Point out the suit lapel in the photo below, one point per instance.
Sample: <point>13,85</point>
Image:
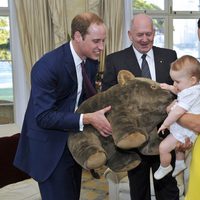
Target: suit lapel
<point>159,64</point>
<point>132,63</point>
<point>69,62</point>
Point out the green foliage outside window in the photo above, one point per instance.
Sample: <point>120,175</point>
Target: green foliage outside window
<point>143,5</point>
<point>4,39</point>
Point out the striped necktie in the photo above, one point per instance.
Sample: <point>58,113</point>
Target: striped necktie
<point>145,67</point>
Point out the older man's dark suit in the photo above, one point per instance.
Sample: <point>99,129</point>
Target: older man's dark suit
<point>166,188</point>
<point>49,117</point>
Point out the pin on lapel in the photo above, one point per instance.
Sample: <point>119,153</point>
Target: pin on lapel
<point>161,61</point>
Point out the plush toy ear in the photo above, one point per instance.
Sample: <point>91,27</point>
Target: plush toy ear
<point>124,76</point>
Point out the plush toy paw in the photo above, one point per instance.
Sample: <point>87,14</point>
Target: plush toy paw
<point>87,149</point>
<point>123,161</point>
<point>132,140</point>
<point>95,161</point>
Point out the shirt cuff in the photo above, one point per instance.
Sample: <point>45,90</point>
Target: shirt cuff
<point>81,125</point>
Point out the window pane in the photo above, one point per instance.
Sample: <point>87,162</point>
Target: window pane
<point>6,86</point>
<point>148,4</point>
<point>185,37</point>
<point>186,5</point>
<point>159,34</point>
<point>4,3</point>
<point>6,81</point>
<point>4,39</point>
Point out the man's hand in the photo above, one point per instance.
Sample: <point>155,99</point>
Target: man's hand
<point>99,121</point>
<point>183,147</point>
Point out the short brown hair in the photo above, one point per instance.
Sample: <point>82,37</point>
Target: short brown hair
<point>82,22</point>
<point>189,63</point>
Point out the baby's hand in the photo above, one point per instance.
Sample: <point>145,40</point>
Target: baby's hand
<point>164,86</point>
<point>162,128</point>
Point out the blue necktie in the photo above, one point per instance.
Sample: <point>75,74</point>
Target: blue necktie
<point>145,67</point>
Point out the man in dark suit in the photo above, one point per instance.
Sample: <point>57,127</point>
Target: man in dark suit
<point>56,92</point>
<point>142,36</point>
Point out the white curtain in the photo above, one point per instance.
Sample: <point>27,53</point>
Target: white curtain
<point>62,13</point>
<point>128,14</point>
<point>113,13</point>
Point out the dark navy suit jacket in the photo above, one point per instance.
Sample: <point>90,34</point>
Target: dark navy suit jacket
<point>50,112</point>
<point>126,59</point>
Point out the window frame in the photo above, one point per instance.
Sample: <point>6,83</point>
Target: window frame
<point>168,14</point>
<point>20,86</point>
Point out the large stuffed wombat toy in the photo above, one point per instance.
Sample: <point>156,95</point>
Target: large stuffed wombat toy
<point>138,105</point>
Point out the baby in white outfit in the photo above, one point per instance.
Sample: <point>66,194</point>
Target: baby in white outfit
<point>185,72</point>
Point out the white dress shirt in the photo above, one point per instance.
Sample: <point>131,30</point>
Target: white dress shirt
<point>149,59</point>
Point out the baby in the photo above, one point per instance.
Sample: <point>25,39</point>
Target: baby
<point>185,72</point>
